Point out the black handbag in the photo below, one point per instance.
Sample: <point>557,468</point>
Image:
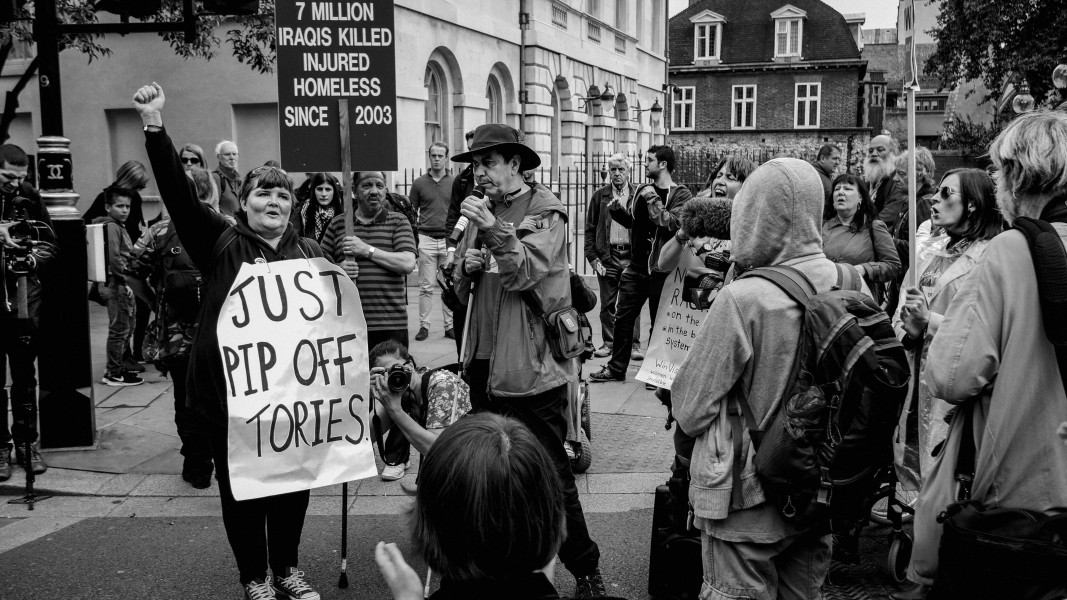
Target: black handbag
<point>1006,552</point>
<point>563,333</point>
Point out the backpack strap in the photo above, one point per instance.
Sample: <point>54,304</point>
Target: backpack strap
<point>228,236</point>
<point>799,288</point>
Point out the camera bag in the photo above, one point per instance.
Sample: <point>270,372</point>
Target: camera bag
<point>562,331</point>
<point>675,564</point>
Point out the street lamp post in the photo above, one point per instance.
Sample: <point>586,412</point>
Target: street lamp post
<point>66,407</point>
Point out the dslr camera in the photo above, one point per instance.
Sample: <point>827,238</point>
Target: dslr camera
<point>398,378</point>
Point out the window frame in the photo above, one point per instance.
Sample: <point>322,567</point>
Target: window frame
<point>699,48</point>
<point>679,104</point>
<point>807,100</point>
<point>434,76</point>
<point>734,101</point>
<point>789,36</point>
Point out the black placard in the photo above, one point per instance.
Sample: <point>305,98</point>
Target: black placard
<point>328,51</point>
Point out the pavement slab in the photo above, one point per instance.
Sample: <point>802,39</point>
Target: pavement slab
<point>121,448</point>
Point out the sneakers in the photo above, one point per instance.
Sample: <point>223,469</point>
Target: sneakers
<point>123,379</point>
<point>394,472</point>
<point>450,333</point>
<point>293,586</point>
<point>589,586</point>
<point>636,353</point>
<point>200,481</point>
<point>422,334</point>
<point>259,590</point>
<point>603,351</point>
<point>5,463</point>
<point>36,460</point>
<point>605,374</point>
<point>651,387</point>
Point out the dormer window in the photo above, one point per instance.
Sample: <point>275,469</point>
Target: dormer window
<point>788,31</point>
<point>707,36</point>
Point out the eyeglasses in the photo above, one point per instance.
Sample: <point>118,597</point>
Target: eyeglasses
<point>190,160</point>
<point>946,192</point>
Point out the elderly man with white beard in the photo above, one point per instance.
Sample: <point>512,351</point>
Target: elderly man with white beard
<point>878,170</point>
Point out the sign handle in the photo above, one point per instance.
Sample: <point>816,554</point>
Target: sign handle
<point>912,214</point>
<point>346,165</point>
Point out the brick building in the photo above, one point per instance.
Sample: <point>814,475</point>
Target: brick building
<point>778,74</point>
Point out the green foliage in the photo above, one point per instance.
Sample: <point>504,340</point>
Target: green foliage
<point>961,133</point>
<point>998,41</point>
<point>251,37</point>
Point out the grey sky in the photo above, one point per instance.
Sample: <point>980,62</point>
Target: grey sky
<point>881,14</point>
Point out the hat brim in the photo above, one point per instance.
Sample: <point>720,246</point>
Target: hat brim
<point>527,157</point>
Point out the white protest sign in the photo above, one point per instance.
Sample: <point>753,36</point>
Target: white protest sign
<point>293,342</point>
<point>676,328</point>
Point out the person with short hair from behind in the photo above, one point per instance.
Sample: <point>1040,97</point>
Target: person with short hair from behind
<point>747,345</point>
<point>18,336</point>
<point>430,195</point>
<point>991,358</point>
<point>607,247</point>
<point>488,516</point>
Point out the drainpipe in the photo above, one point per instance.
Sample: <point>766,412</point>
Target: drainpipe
<point>524,24</point>
<point>667,96</point>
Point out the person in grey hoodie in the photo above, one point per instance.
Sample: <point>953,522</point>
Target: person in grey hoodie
<point>746,345</point>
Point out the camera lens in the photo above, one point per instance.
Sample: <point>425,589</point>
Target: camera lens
<point>398,379</point>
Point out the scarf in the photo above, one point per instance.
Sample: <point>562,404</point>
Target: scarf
<point>323,216</point>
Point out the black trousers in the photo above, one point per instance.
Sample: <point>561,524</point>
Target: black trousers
<point>17,355</point>
<point>192,427</point>
<point>635,288</point>
<point>546,416</point>
<point>397,447</point>
<point>263,531</point>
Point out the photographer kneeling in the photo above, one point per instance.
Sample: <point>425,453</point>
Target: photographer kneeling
<point>420,404</point>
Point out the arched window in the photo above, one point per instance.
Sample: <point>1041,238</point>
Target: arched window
<point>436,109</point>
<point>495,96</point>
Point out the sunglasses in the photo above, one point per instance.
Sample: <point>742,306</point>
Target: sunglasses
<point>190,160</point>
<point>946,192</point>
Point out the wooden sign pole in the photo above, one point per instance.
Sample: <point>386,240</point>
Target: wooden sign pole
<point>346,166</point>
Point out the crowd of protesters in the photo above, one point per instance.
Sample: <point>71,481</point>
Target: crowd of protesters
<point>497,501</point>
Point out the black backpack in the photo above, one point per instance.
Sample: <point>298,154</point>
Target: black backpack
<point>833,429</point>
<point>182,284</point>
<point>400,204</point>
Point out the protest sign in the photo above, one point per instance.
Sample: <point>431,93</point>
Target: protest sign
<point>293,342</point>
<point>328,51</point>
<point>676,327</point>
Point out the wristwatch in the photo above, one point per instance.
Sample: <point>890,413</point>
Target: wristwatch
<point>370,253</point>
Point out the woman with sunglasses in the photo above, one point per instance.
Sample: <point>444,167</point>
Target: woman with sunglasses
<point>324,204</point>
<point>191,156</point>
<point>964,218</point>
<point>261,233</point>
<point>853,236</point>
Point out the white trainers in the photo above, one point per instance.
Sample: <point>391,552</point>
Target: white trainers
<point>394,472</point>
<point>259,590</point>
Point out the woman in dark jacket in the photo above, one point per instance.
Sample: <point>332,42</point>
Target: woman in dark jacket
<point>323,205</point>
<point>853,236</point>
<point>262,233</point>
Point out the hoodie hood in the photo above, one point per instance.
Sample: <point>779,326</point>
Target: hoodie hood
<point>776,215</point>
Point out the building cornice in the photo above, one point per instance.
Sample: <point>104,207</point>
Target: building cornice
<point>768,66</point>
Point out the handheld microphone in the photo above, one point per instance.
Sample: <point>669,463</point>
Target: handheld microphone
<point>461,224</point>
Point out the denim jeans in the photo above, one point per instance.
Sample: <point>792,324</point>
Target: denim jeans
<point>432,254</point>
<point>120,311</point>
<point>793,568</point>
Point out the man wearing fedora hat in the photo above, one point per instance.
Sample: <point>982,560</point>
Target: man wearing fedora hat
<point>516,245</point>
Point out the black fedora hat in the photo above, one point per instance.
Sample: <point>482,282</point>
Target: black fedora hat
<point>499,137</point>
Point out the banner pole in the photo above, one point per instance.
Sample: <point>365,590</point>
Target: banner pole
<point>912,214</point>
<point>346,164</point>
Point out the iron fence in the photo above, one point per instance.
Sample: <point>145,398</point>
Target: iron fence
<point>574,185</point>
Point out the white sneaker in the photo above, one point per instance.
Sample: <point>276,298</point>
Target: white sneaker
<point>394,472</point>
